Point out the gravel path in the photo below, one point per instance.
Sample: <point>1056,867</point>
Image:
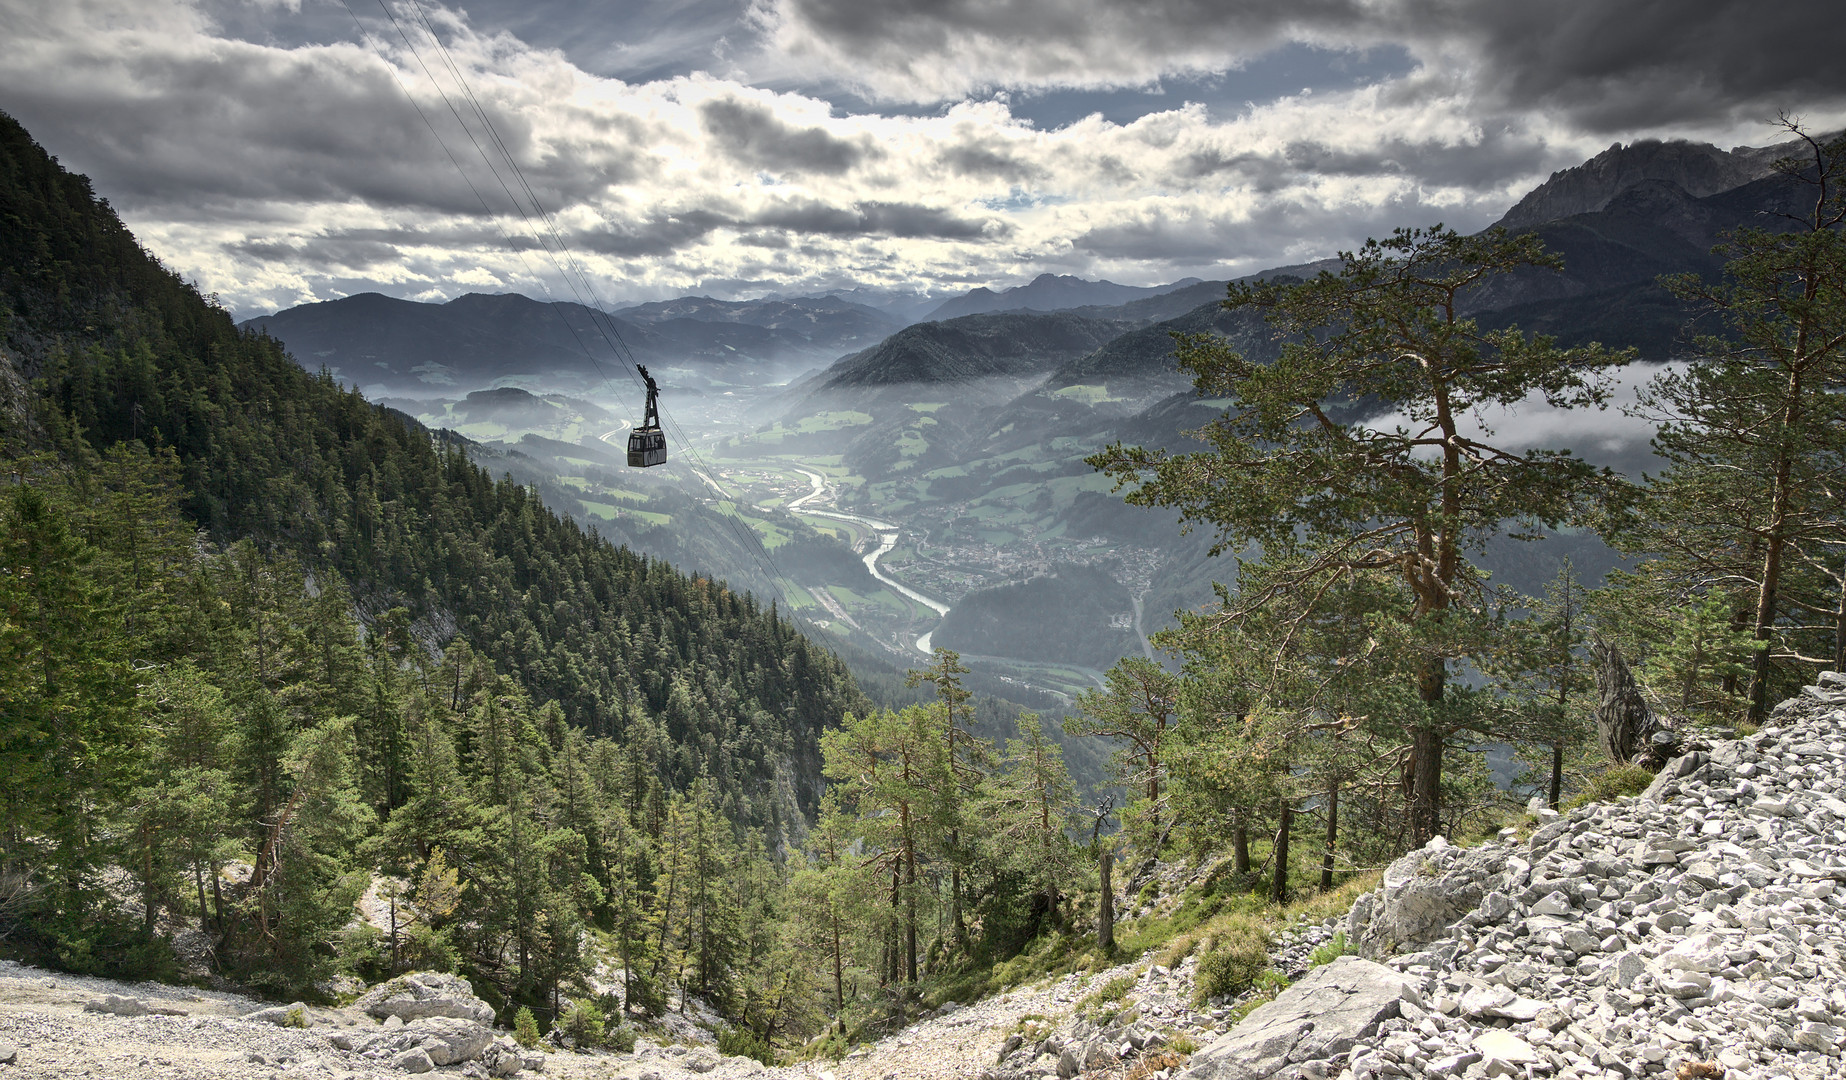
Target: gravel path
<point>42,1016</point>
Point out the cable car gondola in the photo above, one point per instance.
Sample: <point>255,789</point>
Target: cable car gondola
<point>647,444</point>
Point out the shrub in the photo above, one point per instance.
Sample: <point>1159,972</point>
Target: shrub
<point>1101,1006</point>
<point>1268,984</point>
<point>525,1028</point>
<point>1613,783</point>
<point>295,1017</point>
<point>583,1024</point>
<point>1180,948</point>
<point>1239,954</point>
<point>1156,1064</point>
<point>1114,990</point>
<point>621,1037</point>
<point>427,949</point>
<point>834,1047</point>
<point>742,1042</point>
<point>646,995</point>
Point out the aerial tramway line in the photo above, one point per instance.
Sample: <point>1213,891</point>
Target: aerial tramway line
<point>647,444</point>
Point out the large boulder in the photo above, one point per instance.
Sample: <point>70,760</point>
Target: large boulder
<point>422,994</point>
<point>446,1039</point>
<point>1329,1010</point>
<point>1426,892</point>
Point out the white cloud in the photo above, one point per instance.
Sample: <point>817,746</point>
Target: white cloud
<point>275,174</point>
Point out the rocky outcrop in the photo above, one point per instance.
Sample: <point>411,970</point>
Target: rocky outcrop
<point>1424,893</point>
<point>1697,930</point>
<point>1698,168</point>
<point>422,994</point>
<point>1319,1018</point>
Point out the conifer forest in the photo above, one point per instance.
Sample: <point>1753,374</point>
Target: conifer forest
<point>270,652</point>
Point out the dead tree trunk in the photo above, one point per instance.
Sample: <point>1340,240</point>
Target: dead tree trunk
<point>1333,836</point>
<point>1279,892</point>
<point>1624,720</point>
<point>1105,911</point>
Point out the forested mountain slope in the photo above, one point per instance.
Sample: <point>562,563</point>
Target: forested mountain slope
<point>222,690</point>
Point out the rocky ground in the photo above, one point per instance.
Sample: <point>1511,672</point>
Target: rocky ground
<point>1696,932</point>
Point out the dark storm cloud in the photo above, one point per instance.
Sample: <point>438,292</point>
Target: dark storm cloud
<point>1617,66</point>
<point>661,234</point>
<point>262,126</point>
<point>1606,65</point>
<point>752,135</point>
<point>1267,236</point>
<point>973,159</point>
<point>1477,166</point>
<point>908,220</point>
<point>363,249</point>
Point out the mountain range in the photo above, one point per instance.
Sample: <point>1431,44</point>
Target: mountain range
<point>478,339</point>
<point>972,425</point>
<point>1049,292</point>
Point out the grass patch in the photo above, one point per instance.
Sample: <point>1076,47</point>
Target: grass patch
<point>1611,784</point>
<point>1100,1005</point>
<point>1234,957</point>
<point>1331,951</point>
<point>1268,985</point>
<point>1088,395</point>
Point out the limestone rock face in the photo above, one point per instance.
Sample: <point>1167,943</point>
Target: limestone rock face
<point>423,994</point>
<point>1323,1015</point>
<point>1426,892</point>
<point>445,1039</point>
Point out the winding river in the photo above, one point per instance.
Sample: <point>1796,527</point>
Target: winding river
<point>887,534</point>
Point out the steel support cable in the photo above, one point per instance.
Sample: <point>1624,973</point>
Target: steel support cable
<point>609,332</point>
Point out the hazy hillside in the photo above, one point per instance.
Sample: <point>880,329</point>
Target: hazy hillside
<point>1049,292</point>
<point>1007,345</point>
<point>826,322</point>
<point>472,341</point>
<point>1073,614</point>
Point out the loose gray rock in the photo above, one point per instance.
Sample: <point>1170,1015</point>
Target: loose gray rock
<point>414,1060</point>
<point>117,1006</point>
<point>445,1039</point>
<point>1425,893</point>
<point>295,1015</point>
<point>422,994</point>
<point>1320,1017</point>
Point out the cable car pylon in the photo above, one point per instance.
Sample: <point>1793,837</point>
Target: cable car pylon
<point>647,444</point>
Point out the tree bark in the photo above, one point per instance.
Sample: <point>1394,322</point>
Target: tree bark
<point>1240,846</point>
<point>1333,835</point>
<point>1765,622</point>
<point>1425,785</point>
<point>1839,629</point>
<point>1279,890</point>
<point>955,918</point>
<point>1105,911</point>
<point>1426,758</point>
<point>910,917</point>
<point>839,991</point>
<point>1557,774</point>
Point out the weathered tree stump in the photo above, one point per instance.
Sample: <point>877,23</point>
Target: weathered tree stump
<point>1624,720</point>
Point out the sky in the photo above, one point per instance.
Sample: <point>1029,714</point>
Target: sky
<point>278,152</point>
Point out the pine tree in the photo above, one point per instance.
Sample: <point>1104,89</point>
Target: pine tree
<point>1296,481</point>
<point>1754,430</point>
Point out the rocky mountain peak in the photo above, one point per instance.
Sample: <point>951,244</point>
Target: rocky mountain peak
<point>1701,169</point>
